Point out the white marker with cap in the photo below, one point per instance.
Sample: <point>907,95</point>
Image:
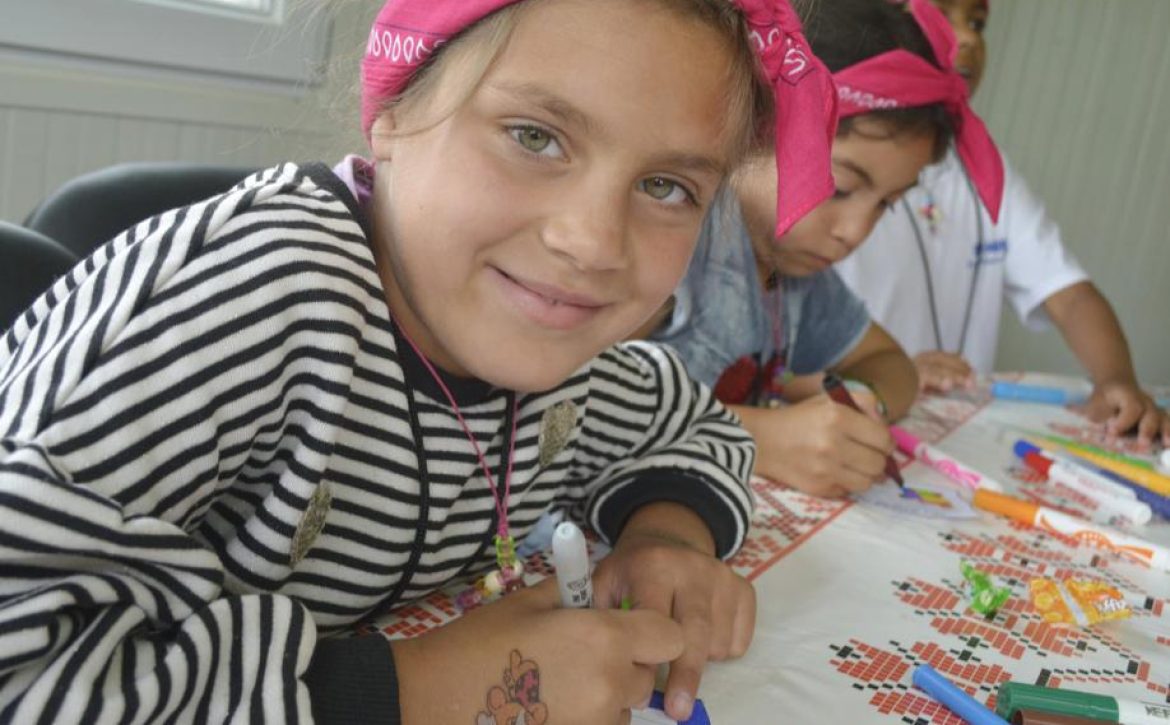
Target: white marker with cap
<point>571,559</point>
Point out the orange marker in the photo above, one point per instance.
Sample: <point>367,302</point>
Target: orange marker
<point>1056,522</point>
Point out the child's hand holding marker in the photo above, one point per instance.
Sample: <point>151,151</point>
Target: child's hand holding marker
<point>575,665</point>
<point>664,562</point>
<point>822,447</point>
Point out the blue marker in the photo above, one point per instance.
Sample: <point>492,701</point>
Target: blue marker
<point>1158,503</point>
<point>1037,393</point>
<point>932,683</point>
<point>656,715</point>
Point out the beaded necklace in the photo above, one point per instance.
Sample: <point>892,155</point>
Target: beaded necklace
<point>508,575</point>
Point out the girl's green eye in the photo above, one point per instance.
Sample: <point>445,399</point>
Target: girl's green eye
<point>533,139</point>
<point>659,188</point>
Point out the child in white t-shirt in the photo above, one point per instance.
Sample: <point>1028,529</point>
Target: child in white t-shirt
<point>936,270</point>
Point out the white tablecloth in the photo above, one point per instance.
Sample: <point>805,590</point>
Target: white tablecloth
<point>853,596</point>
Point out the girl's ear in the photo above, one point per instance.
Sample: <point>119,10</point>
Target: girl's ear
<point>382,136</point>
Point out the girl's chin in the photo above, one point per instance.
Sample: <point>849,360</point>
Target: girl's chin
<point>528,375</point>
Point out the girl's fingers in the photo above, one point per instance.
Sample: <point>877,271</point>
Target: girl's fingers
<point>640,685</point>
<point>682,684</point>
<point>744,624</point>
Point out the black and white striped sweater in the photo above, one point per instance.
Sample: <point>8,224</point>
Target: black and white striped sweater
<point>213,450</point>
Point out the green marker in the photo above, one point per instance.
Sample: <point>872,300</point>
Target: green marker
<point>1015,696</point>
<point>627,604</point>
<point>1075,445</point>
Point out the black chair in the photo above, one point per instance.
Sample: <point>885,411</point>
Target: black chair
<point>29,264</point>
<point>92,209</point>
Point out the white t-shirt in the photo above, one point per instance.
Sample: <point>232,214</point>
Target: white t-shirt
<point>1020,257</point>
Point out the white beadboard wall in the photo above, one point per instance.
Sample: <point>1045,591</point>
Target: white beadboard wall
<point>58,120</point>
<point>1077,93</point>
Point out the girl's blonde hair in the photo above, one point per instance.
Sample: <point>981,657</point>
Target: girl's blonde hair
<point>469,55</point>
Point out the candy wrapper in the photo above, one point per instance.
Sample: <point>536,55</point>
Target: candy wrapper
<point>1079,602</point>
<point>986,597</point>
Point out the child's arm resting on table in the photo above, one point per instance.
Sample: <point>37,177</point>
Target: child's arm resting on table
<point>673,502</point>
<point>1091,329</point>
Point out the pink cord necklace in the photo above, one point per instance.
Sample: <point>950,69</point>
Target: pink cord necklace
<point>509,571</point>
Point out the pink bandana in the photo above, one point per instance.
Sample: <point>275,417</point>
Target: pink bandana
<point>900,79</point>
<point>406,32</point>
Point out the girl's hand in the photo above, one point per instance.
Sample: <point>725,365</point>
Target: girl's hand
<point>1123,405</point>
<point>942,372</point>
<point>819,446</point>
<point>666,565</point>
<point>525,655</point>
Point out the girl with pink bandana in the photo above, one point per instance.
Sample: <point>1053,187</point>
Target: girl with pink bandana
<point>758,307</point>
<point>250,423</point>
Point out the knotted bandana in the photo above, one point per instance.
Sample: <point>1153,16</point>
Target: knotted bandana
<point>901,79</point>
<point>406,32</point>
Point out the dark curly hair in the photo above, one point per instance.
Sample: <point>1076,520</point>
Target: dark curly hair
<point>843,33</point>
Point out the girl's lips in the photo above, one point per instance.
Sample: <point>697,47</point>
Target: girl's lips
<point>820,262</point>
<point>547,305</point>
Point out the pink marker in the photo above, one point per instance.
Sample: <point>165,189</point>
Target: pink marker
<point>912,445</point>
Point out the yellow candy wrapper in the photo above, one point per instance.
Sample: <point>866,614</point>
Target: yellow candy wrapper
<point>1077,601</point>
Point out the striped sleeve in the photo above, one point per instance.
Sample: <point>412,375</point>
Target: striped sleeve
<point>195,346</point>
<point>660,436</point>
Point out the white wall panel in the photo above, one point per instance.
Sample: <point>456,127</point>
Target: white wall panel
<point>59,121</point>
<point>1078,95</point>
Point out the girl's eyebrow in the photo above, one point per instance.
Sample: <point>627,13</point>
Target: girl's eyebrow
<point>691,162</point>
<point>550,102</point>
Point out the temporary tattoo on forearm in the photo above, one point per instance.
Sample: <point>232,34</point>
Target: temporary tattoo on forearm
<point>518,701</point>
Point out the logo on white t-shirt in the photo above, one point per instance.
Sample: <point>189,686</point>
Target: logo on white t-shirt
<point>990,252</point>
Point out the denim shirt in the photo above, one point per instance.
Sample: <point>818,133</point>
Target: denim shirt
<point>720,312</point>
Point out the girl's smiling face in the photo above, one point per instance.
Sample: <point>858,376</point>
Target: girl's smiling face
<point>871,170</point>
<point>557,208</point>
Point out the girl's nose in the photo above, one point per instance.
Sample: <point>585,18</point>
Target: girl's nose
<point>850,228</point>
<point>590,229</point>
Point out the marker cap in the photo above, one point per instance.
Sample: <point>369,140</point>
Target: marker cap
<point>1015,696</point>
<point>1038,463</point>
<point>904,439</point>
<point>571,559</point>
<point>1038,717</point>
<point>1023,448</point>
<point>1004,505</point>
<point>940,688</point>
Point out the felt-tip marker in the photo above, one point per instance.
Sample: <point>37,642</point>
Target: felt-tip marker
<point>1107,495</point>
<point>927,679</point>
<point>1004,390</point>
<point>1058,522</point>
<point>571,559</point>
<point>1015,696</point>
<point>836,390</point>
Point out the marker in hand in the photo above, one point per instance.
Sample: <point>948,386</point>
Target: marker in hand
<point>835,389</point>
<point>571,559</point>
